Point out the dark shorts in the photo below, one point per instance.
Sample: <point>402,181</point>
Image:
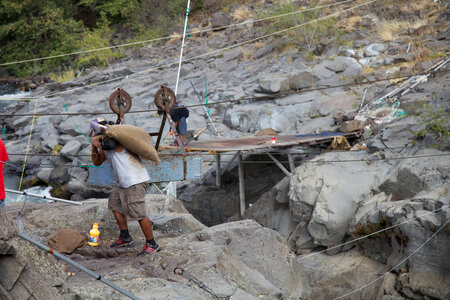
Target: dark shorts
<point>182,126</point>
<point>130,202</point>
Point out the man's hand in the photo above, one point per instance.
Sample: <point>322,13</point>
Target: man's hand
<point>96,142</point>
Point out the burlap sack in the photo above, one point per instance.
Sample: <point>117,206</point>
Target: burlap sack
<point>66,241</point>
<point>134,139</point>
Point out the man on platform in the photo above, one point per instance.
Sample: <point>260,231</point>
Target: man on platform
<point>179,114</point>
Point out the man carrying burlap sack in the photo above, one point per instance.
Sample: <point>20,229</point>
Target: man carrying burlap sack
<point>127,199</point>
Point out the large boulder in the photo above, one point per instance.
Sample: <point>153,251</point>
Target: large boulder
<point>24,272</point>
<point>415,221</point>
<point>326,196</point>
<point>334,276</point>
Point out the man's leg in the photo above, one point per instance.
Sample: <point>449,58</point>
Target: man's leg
<point>120,220</point>
<point>115,205</point>
<point>182,128</point>
<point>146,226</point>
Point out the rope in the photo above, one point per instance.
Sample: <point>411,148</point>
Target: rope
<point>137,74</point>
<point>76,126</point>
<point>373,233</point>
<point>286,162</point>
<point>26,152</point>
<point>399,264</point>
<point>272,97</point>
<point>170,36</point>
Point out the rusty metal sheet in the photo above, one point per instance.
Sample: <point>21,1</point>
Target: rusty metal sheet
<point>171,168</point>
<point>259,142</point>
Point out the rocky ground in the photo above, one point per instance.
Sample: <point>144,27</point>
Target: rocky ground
<point>289,244</point>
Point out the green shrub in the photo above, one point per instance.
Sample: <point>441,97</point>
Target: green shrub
<point>434,122</point>
<point>306,36</point>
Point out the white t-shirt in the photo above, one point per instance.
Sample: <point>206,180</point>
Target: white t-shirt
<point>128,168</point>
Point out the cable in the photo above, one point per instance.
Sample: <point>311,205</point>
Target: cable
<point>373,233</point>
<point>137,74</point>
<point>26,152</point>
<point>399,264</point>
<point>224,153</point>
<point>271,97</point>
<point>171,36</point>
<point>272,162</point>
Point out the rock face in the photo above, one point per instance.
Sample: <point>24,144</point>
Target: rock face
<point>327,196</point>
<point>18,277</point>
<point>232,259</point>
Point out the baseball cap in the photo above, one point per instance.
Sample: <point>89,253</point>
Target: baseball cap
<point>94,130</point>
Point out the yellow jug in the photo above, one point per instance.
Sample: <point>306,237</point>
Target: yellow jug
<point>93,235</point>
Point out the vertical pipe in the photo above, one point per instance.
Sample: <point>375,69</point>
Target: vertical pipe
<point>218,173</point>
<point>241,186</point>
<point>291,162</point>
<point>182,46</point>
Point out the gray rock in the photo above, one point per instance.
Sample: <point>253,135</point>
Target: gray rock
<point>302,80</point>
<point>327,197</point>
<point>317,125</point>
<point>50,137</point>
<point>71,149</point>
<point>367,61</point>
<point>219,20</point>
<point>264,50</point>
<point>69,127</point>
<point>274,85</point>
<point>374,49</point>
<point>334,276</point>
<point>44,174</point>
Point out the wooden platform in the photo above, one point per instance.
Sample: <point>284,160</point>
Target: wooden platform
<point>259,142</point>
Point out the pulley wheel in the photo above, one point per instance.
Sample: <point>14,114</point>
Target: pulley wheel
<point>120,101</point>
<point>164,96</point>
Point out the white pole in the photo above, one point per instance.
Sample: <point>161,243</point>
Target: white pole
<point>172,186</point>
<point>182,46</point>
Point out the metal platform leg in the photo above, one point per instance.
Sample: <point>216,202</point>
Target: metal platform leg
<point>218,173</point>
<point>241,185</point>
<point>291,162</point>
<point>279,165</point>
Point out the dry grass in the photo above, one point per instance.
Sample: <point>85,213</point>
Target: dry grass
<point>389,30</point>
<point>241,13</point>
<point>349,24</point>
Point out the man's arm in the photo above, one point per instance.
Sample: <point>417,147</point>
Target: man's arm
<point>97,154</point>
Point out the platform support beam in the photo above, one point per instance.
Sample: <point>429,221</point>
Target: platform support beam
<point>279,165</point>
<point>230,162</point>
<point>218,171</point>
<point>241,185</point>
<point>291,162</point>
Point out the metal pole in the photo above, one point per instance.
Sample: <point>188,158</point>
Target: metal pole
<point>182,46</point>
<point>279,165</point>
<point>206,112</point>
<point>230,162</point>
<point>218,170</point>
<point>43,197</point>
<point>291,162</point>
<point>241,185</point>
<point>77,265</point>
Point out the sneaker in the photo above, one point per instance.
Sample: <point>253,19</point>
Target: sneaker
<point>121,243</point>
<point>149,249</point>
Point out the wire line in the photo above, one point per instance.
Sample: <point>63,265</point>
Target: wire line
<point>399,264</point>
<point>171,36</point>
<point>141,73</point>
<point>373,233</point>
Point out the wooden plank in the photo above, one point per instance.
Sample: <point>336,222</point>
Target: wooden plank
<point>241,186</point>
<point>259,142</point>
<point>218,170</point>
